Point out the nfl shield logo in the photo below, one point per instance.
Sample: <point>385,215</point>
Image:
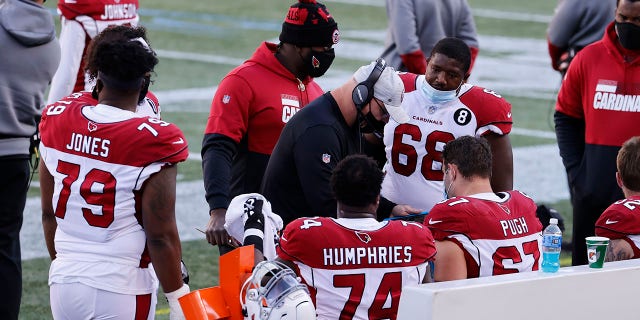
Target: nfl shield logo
<point>226,98</point>
<point>326,158</point>
<point>92,126</point>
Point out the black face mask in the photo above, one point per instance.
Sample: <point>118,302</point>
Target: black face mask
<point>369,124</point>
<point>145,89</point>
<point>318,62</point>
<point>629,35</point>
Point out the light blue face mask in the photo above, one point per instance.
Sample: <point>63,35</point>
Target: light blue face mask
<point>439,96</point>
<point>445,191</point>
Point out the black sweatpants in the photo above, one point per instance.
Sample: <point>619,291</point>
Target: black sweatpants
<point>14,178</point>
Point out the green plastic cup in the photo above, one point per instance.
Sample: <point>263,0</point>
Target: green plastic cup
<point>596,251</point>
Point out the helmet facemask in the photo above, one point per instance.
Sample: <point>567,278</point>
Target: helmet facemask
<point>274,292</point>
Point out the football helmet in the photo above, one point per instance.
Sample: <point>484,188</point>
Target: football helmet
<point>274,292</point>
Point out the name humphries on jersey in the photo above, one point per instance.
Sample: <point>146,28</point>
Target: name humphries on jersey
<point>119,11</point>
<point>606,98</point>
<point>370,255</point>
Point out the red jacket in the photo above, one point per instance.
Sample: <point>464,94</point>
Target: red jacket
<point>251,106</point>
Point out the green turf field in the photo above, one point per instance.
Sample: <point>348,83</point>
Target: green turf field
<point>198,42</point>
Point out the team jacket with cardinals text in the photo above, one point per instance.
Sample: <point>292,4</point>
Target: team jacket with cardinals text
<point>602,90</point>
<point>252,104</point>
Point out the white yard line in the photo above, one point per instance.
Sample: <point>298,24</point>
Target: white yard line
<point>199,57</point>
<point>478,12</point>
<point>514,66</point>
<point>513,16</point>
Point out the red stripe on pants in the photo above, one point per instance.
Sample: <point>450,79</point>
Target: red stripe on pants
<point>143,304</point>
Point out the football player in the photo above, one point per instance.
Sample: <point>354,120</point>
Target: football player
<point>621,221</point>
<point>108,184</point>
<point>355,267</point>
<point>81,21</point>
<point>480,232</point>
<point>148,104</point>
<point>442,107</point>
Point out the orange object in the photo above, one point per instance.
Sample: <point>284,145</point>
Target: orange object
<point>207,303</point>
<point>223,301</point>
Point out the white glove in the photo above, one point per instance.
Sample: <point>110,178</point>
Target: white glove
<point>175,311</point>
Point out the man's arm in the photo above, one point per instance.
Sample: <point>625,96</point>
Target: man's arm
<point>562,27</point>
<point>570,133</point>
<point>217,155</point>
<point>618,249</point>
<point>158,216</point>
<point>227,124</point>
<point>163,242</point>
<point>49,223</point>
<point>466,31</point>
<point>449,263</point>
<point>502,165</point>
<point>72,42</point>
<point>402,24</point>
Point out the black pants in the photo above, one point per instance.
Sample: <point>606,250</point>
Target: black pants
<point>585,216</point>
<point>14,179</point>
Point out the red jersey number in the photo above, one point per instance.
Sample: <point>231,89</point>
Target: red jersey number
<point>409,151</point>
<point>106,199</point>
<point>390,283</point>
<point>512,253</point>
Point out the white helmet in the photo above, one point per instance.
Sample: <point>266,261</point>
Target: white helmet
<point>273,292</point>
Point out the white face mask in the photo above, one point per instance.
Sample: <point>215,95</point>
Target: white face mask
<point>439,96</point>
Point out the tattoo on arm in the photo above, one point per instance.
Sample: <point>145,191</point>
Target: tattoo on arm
<point>618,250</point>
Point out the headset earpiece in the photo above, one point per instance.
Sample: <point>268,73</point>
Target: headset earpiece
<point>363,92</point>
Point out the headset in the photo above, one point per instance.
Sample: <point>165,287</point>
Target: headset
<point>363,92</point>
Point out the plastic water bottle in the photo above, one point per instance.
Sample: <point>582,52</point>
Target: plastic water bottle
<point>551,246</point>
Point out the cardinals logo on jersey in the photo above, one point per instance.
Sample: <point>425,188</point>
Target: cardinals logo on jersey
<point>504,208</point>
<point>364,237</point>
<point>92,126</point>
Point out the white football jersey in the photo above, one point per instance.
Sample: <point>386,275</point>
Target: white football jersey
<point>356,268</point>
<point>414,149</point>
<point>100,157</point>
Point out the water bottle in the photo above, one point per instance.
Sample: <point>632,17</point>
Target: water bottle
<point>551,246</point>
